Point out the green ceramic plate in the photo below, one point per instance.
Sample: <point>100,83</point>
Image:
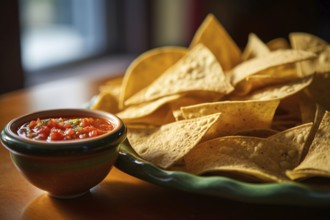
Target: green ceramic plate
<point>217,186</point>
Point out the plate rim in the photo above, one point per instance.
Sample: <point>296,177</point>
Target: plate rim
<point>288,193</point>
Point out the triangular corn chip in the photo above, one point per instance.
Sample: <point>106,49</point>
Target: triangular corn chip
<point>275,58</point>
<point>236,116</point>
<point>317,161</point>
<point>280,91</point>
<point>294,137</point>
<point>258,158</point>
<point>106,102</point>
<point>196,72</point>
<point>155,112</point>
<point>309,42</point>
<point>146,68</point>
<point>213,35</point>
<point>254,48</point>
<point>278,43</point>
<point>168,144</point>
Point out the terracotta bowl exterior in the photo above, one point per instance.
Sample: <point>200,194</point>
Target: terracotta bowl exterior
<point>65,169</point>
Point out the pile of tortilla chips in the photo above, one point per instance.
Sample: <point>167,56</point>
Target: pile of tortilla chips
<point>211,109</point>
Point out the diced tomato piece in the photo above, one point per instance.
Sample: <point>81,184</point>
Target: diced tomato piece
<point>32,124</point>
<point>56,135</point>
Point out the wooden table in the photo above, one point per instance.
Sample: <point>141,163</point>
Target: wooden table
<point>119,196</point>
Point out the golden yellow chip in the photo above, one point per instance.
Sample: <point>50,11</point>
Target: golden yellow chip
<point>197,72</point>
<point>272,59</point>
<point>319,66</point>
<point>257,158</point>
<point>319,89</point>
<point>157,112</point>
<point>107,99</point>
<point>236,116</point>
<point>295,137</point>
<point>146,68</point>
<point>254,48</point>
<point>168,144</point>
<point>181,102</point>
<point>276,92</point>
<point>309,42</point>
<point>113,87</point>
<point>317,161</point>
<point>278,43</point>
<point>212,34</point>
<point>306,41</point>
<point>275,75</point>
<point>105,102</point>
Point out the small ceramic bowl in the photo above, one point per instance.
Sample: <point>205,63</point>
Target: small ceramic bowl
<point>69,168</point>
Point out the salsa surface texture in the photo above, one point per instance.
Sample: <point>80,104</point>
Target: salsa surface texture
<point>59,129</point>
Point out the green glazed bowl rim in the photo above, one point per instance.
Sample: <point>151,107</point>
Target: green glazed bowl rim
<point>19,145</point>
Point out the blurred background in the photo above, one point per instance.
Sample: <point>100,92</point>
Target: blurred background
<point>45,40</point>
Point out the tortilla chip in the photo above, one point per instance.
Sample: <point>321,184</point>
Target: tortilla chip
<point>146,68</point>
<point>213,35</point>
<point>157,112</point>
<point>181,102</point>
<point>261,133</point>
<point>113,87</point>
<point>319,89</point>
<point>168,144</point>
<point>254,48</point>
<point>307,107</point>
<point>105,101</point>
<point>288,113</point>
<point>271,76</point>
<point>275,58</point>
<point>196,72</point>
<point>295,137</point>
<point>276,92</point>
<point>319,66</point>
<point>236,116</point>
<point>260,158</point>
<point>317,161</point>
<point>309,42</point>
<point>187,103</point>
<point>278,43</point>
<point>306,41</point>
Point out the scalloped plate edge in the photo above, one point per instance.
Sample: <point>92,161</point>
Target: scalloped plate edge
<point>223,187</point>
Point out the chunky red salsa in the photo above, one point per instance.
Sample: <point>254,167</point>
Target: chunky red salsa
<point>56,129</point>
